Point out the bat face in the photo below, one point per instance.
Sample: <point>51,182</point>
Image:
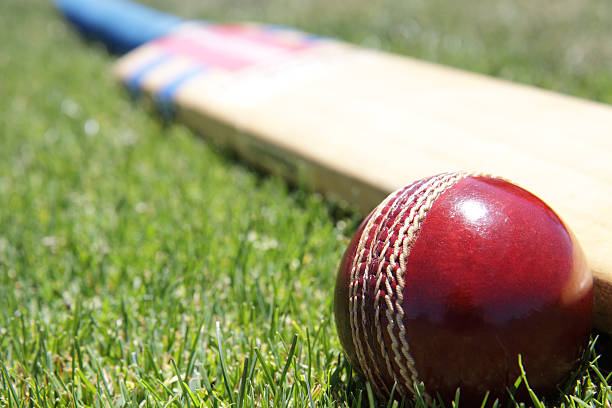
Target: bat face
<point>220,57</point>
<point>357,124</point>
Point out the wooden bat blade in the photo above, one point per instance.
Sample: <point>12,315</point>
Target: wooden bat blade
<point>356,123</point>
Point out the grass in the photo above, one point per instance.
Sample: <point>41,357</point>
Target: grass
<point>141,267</point>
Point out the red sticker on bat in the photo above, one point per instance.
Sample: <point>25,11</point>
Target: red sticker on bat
<point>236,46</point>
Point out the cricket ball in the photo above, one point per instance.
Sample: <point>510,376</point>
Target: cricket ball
<point>454,276</point>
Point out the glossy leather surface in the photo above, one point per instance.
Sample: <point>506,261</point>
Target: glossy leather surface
<point>492,274</point>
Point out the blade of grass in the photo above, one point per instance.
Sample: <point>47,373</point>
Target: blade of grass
<point>226,380</point>
<point>242,384</point>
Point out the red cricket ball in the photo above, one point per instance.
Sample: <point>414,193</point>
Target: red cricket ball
<point>449,279</point>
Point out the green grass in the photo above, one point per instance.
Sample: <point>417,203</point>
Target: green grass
<point>141,267</point>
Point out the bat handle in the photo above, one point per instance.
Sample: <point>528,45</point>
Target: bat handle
<point>120,24</point>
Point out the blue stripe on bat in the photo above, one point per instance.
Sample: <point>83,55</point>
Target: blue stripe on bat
<point>134,81</point>
<point>166,95</point>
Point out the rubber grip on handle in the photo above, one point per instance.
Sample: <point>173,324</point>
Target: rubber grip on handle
<point>120,24</point>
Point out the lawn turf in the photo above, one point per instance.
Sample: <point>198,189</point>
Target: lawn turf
<point>141,267</point>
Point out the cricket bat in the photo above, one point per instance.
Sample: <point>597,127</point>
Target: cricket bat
<point>357,123</point>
